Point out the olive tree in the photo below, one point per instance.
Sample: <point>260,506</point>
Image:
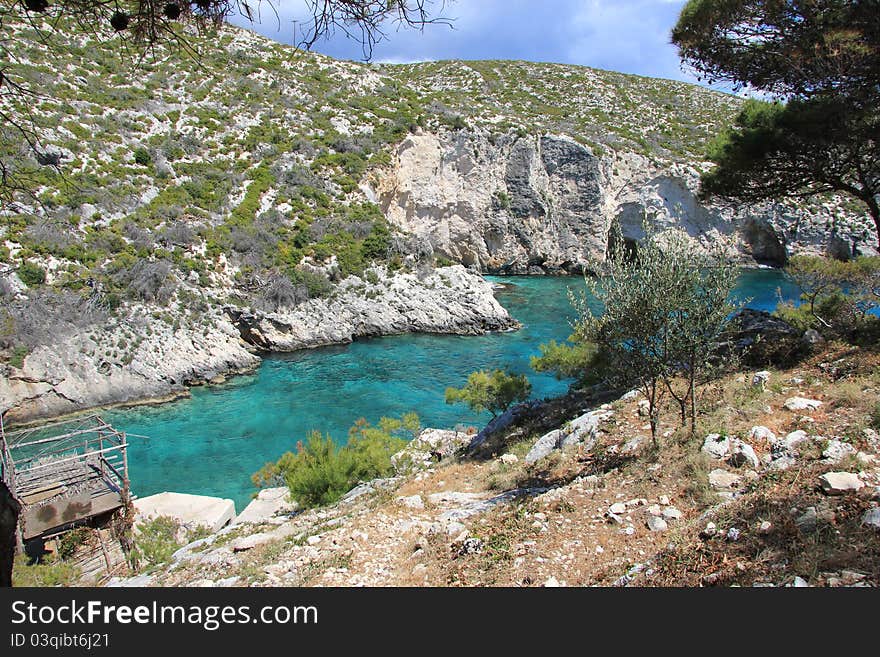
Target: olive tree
<point>651,319</point>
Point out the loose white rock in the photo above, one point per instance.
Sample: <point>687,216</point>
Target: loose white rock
<point>801,404</point>
<point>719,478</point>
<point>671,513</point>
<point>716,446</point>
<point>509,459</point>
<point>794,438</point>
<point>838,450</point>
<point>742,454</point>
<point>840,483</point>
<point>617,508</point>
<point>872,518</point>
<point>762,433</point>
<point>656,524</point>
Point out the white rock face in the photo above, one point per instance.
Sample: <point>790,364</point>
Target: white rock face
<point>448,300</point>
<point>538,204</point>
<point>583,429</point>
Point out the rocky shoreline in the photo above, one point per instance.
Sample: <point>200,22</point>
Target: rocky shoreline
<point>146,357</point>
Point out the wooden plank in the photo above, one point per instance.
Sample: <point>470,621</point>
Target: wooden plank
<point>42,519</point>
<point>43,493</point>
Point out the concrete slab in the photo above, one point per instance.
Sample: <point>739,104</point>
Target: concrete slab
<point>211,512</point>
<point>269,503</point>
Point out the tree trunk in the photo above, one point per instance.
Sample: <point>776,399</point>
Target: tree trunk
<point>874,210</point>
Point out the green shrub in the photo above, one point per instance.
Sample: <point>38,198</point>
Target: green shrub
<point>142,156</point>
<point>573,359</point>
<point>70,541</point>
<point>51,572</point>
<point>19,353</point>
<point>320,472</point>
<point>491,391</point>
<point>156,541</point>
<point>317,285</point>
<point>31,274</point>
<point>837,298</point>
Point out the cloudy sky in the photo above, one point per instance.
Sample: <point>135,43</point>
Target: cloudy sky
<point>622,35</point>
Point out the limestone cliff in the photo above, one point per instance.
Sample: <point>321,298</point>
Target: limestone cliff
<point>546,203</point>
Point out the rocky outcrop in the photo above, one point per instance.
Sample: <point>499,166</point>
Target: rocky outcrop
<point>547,203</point>
<point>147,356</point>
<point>157,362</point>
<point>446,300</point>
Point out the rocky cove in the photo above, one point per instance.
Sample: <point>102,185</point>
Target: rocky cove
<point>160,360</point>
<point>220,434</point>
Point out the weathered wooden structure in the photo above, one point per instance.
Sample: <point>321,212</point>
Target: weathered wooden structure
<point>65,474</point>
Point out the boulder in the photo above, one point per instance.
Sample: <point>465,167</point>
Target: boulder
<point>794,438</point>
<point>807,521</point>
<point>837,450</point>
<point>742,454</point>
<point>581,430</point>
<point>840,483</point>
<point>429,446</point>
<point>544,446</point>
<point>716,445</point>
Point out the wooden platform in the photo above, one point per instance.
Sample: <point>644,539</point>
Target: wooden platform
<point>65,473</point>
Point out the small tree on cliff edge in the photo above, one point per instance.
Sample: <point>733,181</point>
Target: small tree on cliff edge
<point>660,313</point>
<point>823,60</point>
<point>492,391</point>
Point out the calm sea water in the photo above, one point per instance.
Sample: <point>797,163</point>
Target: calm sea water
<point>211,443</point>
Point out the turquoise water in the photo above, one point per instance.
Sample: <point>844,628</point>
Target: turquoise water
<point>211,443</point>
